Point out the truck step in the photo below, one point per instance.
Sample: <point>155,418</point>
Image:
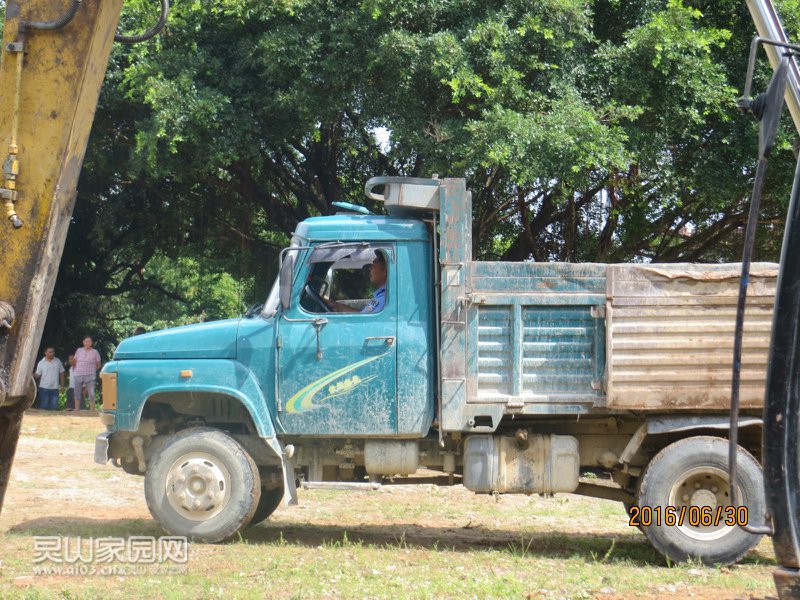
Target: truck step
<point>341,485</point>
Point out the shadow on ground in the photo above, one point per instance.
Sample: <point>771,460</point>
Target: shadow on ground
<point>631,548</point>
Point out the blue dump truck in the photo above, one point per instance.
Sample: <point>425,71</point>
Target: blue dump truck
<point>386,354</point>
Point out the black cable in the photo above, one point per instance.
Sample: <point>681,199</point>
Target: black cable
<point>767,108</point>
<point>152,32</point>
<point>747,256</point>
<point>52,25</point>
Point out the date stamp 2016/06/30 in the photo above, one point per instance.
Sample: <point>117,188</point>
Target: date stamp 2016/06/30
<point>687,516</point>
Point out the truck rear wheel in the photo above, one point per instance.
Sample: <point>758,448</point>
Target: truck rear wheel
<point>202,484</point>
<point>633,514</point>
<point>687,486</point>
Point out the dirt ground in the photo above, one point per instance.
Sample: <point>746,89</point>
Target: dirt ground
<point>57,479</point>
<point>57,489</point>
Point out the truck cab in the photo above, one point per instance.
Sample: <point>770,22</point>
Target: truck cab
<point>362,373</point>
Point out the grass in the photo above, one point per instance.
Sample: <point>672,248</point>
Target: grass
<point>349,569</point>
<point>404,541</point>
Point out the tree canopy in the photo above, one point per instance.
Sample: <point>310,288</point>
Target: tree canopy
<point>601,131</point>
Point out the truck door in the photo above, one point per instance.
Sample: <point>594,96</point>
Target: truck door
<point>337,353</point>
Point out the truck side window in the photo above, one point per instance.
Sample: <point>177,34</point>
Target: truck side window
<point>348,285</point>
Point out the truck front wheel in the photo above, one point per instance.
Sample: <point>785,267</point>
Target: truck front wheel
<point>270,501</point>
<point>202,484</point>
<point>684,504</point>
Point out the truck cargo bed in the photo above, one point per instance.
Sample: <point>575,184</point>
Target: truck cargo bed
<point>574,338</point>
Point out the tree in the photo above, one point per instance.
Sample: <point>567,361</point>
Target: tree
<point>588,131</point>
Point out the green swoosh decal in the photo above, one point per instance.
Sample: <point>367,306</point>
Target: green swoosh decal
<point>342,393</point>
<point>302,400</point>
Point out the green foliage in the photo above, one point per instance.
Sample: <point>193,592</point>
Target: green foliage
<point>588,131</point>
<point>169,293</point>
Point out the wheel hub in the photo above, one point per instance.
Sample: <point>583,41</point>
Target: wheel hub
<point>699,488</point>
<point>198,486</point>
<point>704,498</point>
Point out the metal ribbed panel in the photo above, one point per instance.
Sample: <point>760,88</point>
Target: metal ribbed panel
<point>671,339</point>
<point>557,350</point>
<point>686,351</point>
<point>495,353</point>
<point>537,354</point>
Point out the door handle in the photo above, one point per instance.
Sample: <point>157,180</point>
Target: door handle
<point>388,339</point>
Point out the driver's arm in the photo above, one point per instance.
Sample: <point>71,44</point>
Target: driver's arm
<point>339,307</point>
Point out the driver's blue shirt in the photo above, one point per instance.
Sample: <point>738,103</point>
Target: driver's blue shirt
<point>377,302</point>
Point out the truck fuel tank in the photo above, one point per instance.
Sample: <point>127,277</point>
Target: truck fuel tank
<point>529,464</point>
<point>391,457</point>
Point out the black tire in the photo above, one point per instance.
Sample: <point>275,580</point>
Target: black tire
<point>131,468</point>
<point>202,484</point>
<point>270,500</point>
<point>694,472</point>
<point>632,514</point>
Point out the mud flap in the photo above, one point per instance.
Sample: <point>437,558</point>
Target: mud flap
<point>101,448</point>
<point>287,465</point>
<point>289,481</point>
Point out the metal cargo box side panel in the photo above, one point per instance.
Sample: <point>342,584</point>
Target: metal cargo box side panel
<point>536,336</point>
<point>538,354</point>
<point>670,335</point>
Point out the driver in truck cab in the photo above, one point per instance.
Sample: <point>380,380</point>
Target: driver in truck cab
<point>377,276</point>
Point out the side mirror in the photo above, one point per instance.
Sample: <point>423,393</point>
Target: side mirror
<point>768,108</point>
<point>285,280</point>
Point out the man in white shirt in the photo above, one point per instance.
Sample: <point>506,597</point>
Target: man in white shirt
<point>50,375</point>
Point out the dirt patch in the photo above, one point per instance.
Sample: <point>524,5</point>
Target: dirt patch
<point>56,477</point>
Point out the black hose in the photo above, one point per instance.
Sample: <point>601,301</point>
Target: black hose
<point>52,25</point>
<point>152,32</point>
<point>747,256</point>
<point>767,108</point>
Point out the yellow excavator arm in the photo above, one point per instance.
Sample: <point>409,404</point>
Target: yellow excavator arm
<point>54,58</point>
